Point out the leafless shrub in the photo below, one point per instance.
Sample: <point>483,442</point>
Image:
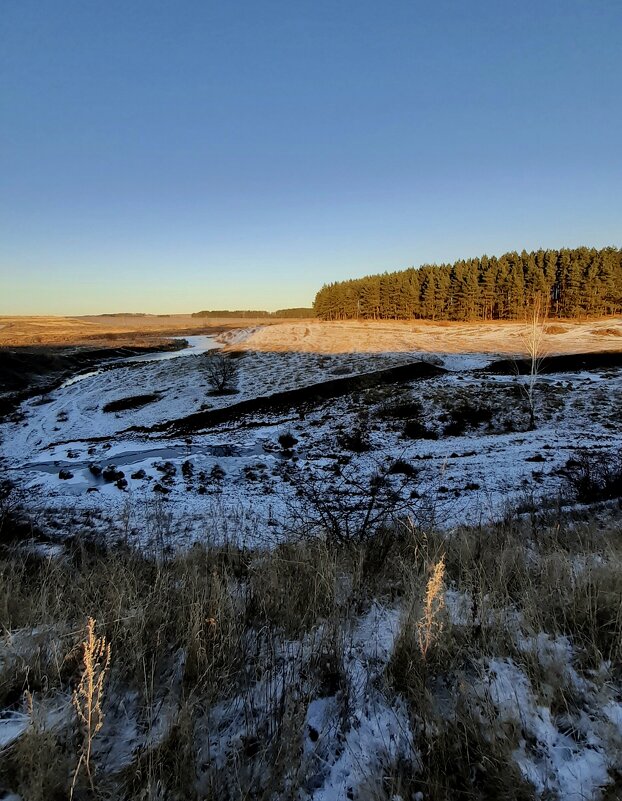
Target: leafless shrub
<point>594,475</point>
<point>349,507</point>
<point>221,372</point>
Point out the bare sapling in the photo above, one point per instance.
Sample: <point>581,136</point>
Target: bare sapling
<point>534,345</point>
<point>88,696</point>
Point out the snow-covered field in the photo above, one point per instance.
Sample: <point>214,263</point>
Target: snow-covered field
<point>462,436</point>
<point>523,673</point>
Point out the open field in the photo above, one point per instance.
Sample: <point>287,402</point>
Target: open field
<point>386,336</point>
<point>128,330</point>
<point>313,336</point>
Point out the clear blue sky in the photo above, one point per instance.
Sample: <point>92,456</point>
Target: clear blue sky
<point>172,156</point>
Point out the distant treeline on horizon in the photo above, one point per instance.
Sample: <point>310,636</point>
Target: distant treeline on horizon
<point>301,313</point>
<point>575,282</point>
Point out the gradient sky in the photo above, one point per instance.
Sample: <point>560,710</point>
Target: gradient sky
<point>174,156</point>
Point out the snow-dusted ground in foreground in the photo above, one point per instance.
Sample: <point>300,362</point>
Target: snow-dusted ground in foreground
<point>229,481</point>
<point>353,737</point>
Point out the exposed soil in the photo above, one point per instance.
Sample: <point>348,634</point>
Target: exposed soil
<point>133,402</point>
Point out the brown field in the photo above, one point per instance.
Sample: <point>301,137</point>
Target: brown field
<point>312,336</point>
<point>441,337</point>
<point>102,330</point>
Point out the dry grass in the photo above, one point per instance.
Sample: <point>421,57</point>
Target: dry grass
<point>516,584</point>
<point>103,330</point>
<point>41,767</point>
<point>461,759</point>
<point>429,337</point>
<point>217,646</point>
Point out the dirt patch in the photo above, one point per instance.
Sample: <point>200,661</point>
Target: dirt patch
<point>557,329</point>
<point>133,402</point>
<point>402,411</point>
<point>608,332</point>
<point>464,416</point>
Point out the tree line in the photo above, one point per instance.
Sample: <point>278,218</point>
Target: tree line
<point>573,283</point>
<point>298,312</point>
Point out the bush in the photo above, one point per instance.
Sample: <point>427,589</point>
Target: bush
<point>415,429</point>
<point>595,476</point>
<point>222,373</point>
<point>400,467</point>
<point>402,411</point>
<point>287,441</point>
<point>356,441</point>
<point>465,416</point>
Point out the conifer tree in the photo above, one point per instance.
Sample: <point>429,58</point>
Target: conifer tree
<point>573,282</point>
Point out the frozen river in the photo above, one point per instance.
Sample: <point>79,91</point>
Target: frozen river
<point>196,345</point>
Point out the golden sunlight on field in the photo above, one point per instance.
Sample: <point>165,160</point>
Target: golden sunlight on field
<point>104,329</point>
<point>443,337</point>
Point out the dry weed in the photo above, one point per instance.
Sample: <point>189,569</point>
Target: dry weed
<point>88,696</point>
<point>430,625</point>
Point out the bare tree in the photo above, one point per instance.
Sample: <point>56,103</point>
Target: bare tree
<point>221,371</point>
<point>534,344</point>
